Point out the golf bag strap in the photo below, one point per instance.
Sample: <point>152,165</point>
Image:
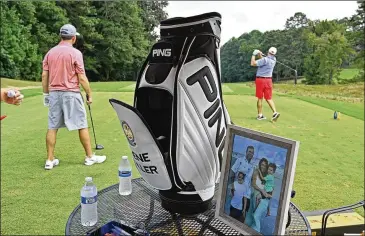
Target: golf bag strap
<point>177,180</point>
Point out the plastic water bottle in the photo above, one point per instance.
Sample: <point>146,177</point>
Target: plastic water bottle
<point>125,176</point>
<point>89,203</point>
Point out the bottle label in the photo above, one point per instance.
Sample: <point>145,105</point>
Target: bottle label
<point>125,173</point>
<point>89,200</point>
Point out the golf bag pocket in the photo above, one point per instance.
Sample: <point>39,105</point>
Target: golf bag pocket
<point>145,149</point>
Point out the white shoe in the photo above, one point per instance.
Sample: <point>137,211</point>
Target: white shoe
<point>275,116</point>
<point>50,164</point>
<point>94,159</point>
<point>262,117</point>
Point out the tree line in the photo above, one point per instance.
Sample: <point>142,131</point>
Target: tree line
<point>317,49</point>
<point>115,36</point>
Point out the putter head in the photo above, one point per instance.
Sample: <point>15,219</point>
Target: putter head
<point>99,147</point>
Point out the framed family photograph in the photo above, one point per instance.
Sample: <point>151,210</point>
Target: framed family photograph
<point>256,181</point>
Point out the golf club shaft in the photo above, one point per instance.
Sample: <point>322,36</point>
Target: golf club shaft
<point>91,117</point>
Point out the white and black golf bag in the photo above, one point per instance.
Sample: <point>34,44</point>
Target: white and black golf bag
<point>177,125</point>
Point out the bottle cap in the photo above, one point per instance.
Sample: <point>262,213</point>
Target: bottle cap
<point>89,179</point>
<point>125,157</point>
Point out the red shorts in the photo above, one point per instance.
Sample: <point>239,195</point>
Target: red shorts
<point>263,88</point>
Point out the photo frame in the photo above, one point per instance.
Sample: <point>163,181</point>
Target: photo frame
<point>256,181</point>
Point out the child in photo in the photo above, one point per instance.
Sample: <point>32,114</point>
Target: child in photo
<point>238,202</point>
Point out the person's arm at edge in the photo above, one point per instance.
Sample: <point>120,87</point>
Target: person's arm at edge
<point>3,94</point>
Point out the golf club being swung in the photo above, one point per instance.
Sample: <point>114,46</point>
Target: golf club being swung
<point>97,146</point>
<point>296,73</point>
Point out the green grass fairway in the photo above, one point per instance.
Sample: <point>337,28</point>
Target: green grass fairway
<point>18,83</point>
<point>348,74</point>
<point>329,172</point>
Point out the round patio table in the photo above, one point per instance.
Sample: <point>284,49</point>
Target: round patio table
<point>143,209</point>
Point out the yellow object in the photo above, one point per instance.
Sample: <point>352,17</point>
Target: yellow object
<point>336,220</point>
<point>338,115</point>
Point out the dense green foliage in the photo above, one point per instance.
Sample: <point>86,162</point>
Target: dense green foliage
<point>115,35</point>
<point>317,49</point>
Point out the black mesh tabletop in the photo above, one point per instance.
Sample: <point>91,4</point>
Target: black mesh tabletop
<point>143,208</point>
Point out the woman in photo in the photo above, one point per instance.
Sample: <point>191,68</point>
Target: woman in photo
<point>257,188</point>
<point>263,207</point>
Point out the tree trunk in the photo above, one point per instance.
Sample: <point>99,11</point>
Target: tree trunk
<point>330,76</point>
<point>107,74</point>
<point>296,75</point>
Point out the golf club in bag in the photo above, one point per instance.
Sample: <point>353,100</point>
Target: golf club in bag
<point>295,71</point>
<point>177,125</point>
<point>97,146</point>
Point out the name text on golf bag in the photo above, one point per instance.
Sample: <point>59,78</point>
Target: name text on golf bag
<point>143,157</point>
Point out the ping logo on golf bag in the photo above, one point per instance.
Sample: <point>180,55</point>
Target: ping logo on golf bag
<point>215,110</point>
<point>128,133</point>
<point>161,52</point>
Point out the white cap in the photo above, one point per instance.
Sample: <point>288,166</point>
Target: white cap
<point>89,179</point>
<point>68,30</point>
<point>124,157</point>
<point>272,50</point>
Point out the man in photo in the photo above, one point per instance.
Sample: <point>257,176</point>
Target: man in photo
<point>238,202</point>
<point>244,165</point>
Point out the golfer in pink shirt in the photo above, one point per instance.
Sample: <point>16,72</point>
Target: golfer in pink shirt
<point>63,72</point>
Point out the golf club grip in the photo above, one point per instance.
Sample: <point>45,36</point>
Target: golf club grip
<point>87,97</point>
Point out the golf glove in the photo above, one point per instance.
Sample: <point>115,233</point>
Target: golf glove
<point>255,52</point>
<point>46,99</point>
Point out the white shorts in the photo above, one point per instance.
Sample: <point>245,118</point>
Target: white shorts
<point>66,109</point>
